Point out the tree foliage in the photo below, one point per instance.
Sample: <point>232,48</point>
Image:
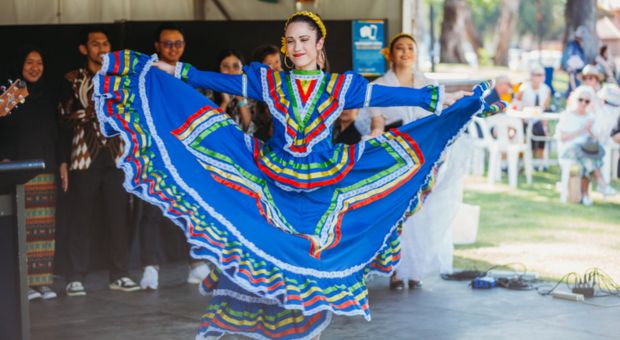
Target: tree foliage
<point>553,18</point>
<point>486,12</point>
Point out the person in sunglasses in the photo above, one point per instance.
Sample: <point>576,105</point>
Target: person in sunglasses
<point>578,141</point>
<point>169,43</point>
<point>170,46</point>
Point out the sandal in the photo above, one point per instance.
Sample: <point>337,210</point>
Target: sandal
<point>395,283</point>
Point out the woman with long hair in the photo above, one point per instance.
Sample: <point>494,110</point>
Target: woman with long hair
<point>230,61</point>
<point>31,132</point>
<point>294,225</point>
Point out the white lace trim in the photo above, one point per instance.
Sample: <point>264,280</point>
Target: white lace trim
<point>368,94</point>
<point>440,100</point>
<point>178,68</point>
<point>318,75</point>
<point>100,102</point>
<point>244,85</point>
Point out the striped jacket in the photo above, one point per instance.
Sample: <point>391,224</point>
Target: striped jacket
<point>78,112</point>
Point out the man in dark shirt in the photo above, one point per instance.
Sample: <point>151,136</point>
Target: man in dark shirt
<point>91,172</point>
<point>170,46</point>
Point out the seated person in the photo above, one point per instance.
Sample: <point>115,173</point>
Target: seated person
<point>501,91</point>
<point>578,142</point>
<point>535,93</point>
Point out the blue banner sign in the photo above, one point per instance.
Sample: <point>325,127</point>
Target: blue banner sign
<point>368,40</point>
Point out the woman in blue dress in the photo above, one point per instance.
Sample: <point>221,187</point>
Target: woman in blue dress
<point>295,224</point>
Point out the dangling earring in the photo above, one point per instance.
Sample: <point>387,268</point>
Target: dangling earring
<point>285,64</point>
<point>322,59</point>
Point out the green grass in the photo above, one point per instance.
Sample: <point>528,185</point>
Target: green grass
<point>529,225</point>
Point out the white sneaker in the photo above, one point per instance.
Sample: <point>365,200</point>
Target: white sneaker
<point>198,273</point>
<point>33,294</point>
<point>150,278</point>
<point>47,293</point>
<point>587,201</point>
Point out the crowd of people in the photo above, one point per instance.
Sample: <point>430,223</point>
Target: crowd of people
<point>63,126</point>
<point>588,113</point>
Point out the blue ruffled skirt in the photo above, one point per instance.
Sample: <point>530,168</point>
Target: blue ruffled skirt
<point>286,259</point>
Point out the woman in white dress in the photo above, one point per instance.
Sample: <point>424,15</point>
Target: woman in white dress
<point>426,239</point>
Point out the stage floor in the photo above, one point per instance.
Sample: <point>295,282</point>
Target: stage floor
<point>441,310</point>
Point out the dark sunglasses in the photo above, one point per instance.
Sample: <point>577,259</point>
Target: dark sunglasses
<point>170,44</point>
<point>583,100</point>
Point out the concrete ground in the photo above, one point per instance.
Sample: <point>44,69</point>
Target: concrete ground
<point>441,310</point>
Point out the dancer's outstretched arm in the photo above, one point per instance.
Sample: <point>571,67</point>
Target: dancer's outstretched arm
<point>235,84</point>
<point>431,98</point>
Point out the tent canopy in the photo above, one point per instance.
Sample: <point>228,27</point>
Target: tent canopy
<point>28,12</point>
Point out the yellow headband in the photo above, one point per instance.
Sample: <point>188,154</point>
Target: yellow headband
<point>387,51</point>
<point>310,15</point>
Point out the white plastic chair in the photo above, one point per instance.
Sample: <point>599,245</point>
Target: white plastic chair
<point>481,143</point>
<point>503,127</point>
<point>565,166</point>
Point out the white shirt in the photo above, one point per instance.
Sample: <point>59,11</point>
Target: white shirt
<point>391,115</point>
<point>569,123</point>
<point>529,94</point>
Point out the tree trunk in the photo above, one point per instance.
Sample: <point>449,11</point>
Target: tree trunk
<point>453,31</point>
<point>582,12</point>
<point>472,33</point>
<point>505,28</point>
